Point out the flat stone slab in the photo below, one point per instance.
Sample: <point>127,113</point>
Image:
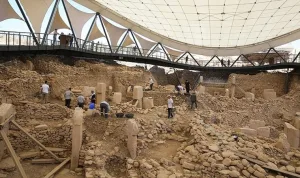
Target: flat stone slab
<point>30,154</point>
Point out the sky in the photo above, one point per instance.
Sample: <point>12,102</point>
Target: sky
<point>13,24</point>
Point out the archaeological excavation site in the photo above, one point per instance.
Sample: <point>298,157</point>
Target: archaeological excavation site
<point>244,125</point>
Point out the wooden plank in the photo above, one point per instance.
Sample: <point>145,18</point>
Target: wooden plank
<point>57,168</point>
<point>2,125</point>
<point>36,141</point>
<point>44,161</point>
<point>56,149</point>
<point>13,154</point>
<point>290,174</point>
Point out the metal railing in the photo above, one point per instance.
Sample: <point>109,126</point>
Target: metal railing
<point>25,39</point>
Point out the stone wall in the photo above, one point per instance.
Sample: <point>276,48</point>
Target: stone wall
<point>59,137</point>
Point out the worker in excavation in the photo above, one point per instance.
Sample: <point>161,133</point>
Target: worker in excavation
<point>187,86</point>
<point>68,97</point>
<point>193,99</point>
<point>180,89</point>
<point>170,107</point>
<point>80,101</point>
<point>93,97</point>
<point>104,106</point>
<point>45,92</point>
<point>151,82</point>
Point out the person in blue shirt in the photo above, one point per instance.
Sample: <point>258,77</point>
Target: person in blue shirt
<point>92,105</point>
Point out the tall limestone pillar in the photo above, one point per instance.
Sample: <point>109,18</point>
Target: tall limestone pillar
<point>76,137</point>
<point>138,95</point>
<point>233,83</point>
<point>132,131</point>
<point>100,92</point>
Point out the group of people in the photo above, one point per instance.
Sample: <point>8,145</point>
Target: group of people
<point>81,100</point>
<point>69,38</point>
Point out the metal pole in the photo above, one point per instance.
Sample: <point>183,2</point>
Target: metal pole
<point>105,33</point>
<point>193,58</point>
<point>165,51</point>
<point>68,17</point>
<point>209,60</point>
<point>50,21</point>
<point>248,60</point>
<point>296,57</point>
<point>152,50</point>
<point>180,57</point>
<point>264,57</point>
<point>27,22</point>
<point>235,60</point>
<point>136,42</point>
<point>287,82</point>
<point>122,41</point>
<point>278,54</point>
<point>90,30</point>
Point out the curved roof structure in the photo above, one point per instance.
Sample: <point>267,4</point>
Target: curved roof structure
<point>207,27</point>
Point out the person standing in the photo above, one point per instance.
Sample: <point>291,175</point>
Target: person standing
<point>186,59</point>
<point>193,100</point>
<point>80,101</point>
<point>93,97</point>
<point>170,107</point>
<point>151,82</point>
<point>45,91</point>
<point>68,96</point>
<point>180,89</point>
<point>104,106</point>
<point>228,63</point>
<point>187,86</point>
<point>54,36</point>
<point>71,39</point>
<point>92,45</point>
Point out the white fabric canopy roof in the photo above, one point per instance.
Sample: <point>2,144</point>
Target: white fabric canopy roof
<point>6,11</point>
<point>128,41</point>
<point>78,18</point>
<point>58,23</point>
<point>217,27</point>
<point>95,33</point>
<point>36,13</point>
<point>114,32</point>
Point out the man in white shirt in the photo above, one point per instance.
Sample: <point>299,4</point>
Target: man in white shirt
<point>54,36</point>
<point>45,91</point>
<point>80,101</point>
<point>151,82</point>
<point>68,97</point>
<point>180,88</point>
<point>170,107</point>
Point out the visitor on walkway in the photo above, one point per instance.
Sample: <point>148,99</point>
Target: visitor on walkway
<point>97,46</point>
<point>45,92</point>
<point>71,39</point>
<point>193,98</point>
<point>151,82</point>
<point>228,63</point>
<point>104,106</point>
<point>68,97</point>
<point>54,36</point>
<point>186,59</point>
<point>187,86</point>
<point>93,97</point>
<point>170,107</point>
<point>222,62</point>
<point>80,101</point>
<point>92,45</point>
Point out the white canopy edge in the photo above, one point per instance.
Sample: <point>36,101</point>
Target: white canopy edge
<point>7,12</point>
<point>196,49</point>
<point>95,33</point>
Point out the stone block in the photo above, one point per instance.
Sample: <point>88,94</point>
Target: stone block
<point>101,88</point>
<point>76,137</point>
<point>90,112</point>
<point>269,94</point>
<point>249,96</point>
<point>132,132</point>
<point>41,127</point>
<point>110,90</point>
<point>86,91</point>
<point>249,131</point>
<point>297,123</point>
<point>137,92</point>
<point>140,103</point>
<point>263,131</point>
<point>148,103</point>
<point>201,79</point>
<point>201,89</point>
<point>227,93</point>
<point>117,97</point>
<point>6,110</point>
<point>254,124</point>
<point>292,135</point>
<point>30,154</point>
<point>283,143</point>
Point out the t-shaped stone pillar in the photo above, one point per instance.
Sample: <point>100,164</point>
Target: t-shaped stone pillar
<point>101,91</point>
<point>117,97</point>
<point>76,137</point>
<point>138,95</point>
<point>132,131</point>
<point>233,82</point>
